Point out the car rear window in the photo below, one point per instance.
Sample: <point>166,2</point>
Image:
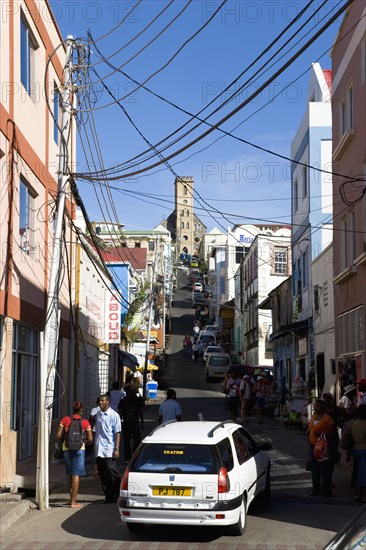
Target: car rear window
<point>187,458</point>
<point>219,361</point>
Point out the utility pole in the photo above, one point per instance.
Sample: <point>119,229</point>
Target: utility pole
<point>51,330</point>
<point>144,378</point>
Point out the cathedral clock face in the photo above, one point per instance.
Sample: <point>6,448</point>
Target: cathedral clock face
<point>185,201</point>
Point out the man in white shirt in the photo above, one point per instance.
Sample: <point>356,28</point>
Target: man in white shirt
<point>170,409</point>
<point>107,442</point>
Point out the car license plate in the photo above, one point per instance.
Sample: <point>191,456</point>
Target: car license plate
<point>172,491</point>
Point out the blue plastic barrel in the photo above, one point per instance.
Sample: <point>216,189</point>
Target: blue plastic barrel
<point>153,389</point>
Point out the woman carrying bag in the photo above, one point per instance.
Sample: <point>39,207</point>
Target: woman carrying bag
<point>321,430</point>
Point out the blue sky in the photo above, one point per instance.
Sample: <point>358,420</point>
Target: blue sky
<point>242,182</point>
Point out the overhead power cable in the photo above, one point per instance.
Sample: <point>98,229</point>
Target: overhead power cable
<point>161,12</point>
<point>176,53</point>
<point>228,87</point>
<point>106,174</point>
<point>134,6</point>
<point>145,47</point>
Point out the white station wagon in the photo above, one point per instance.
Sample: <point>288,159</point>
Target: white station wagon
<point>195,473</point>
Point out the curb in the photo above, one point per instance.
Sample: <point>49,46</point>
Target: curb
<point>12,513</point>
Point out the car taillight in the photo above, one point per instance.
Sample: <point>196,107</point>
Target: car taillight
<point>223,481</point>
<point>124,481</point>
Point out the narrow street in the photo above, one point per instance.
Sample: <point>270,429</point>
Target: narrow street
<point>293,519</point>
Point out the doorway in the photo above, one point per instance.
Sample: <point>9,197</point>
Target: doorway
<point>26,391</point>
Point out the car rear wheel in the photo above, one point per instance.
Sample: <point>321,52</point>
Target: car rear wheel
<point>135,527</point>
<point>238,528</point>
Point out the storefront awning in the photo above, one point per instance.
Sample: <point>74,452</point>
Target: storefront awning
<point>127,359</point>
<point>288,329</point>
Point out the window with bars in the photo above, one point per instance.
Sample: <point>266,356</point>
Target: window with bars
<point>280,260</point>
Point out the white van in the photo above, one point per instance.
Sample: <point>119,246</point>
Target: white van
<point>208,338</point>
<point>212,328</point>
<point>216,366</point>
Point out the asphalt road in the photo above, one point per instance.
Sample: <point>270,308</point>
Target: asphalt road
<point>293,519</point>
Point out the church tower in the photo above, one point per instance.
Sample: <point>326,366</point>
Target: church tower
<point>185,215</point>
<point>185,227</point>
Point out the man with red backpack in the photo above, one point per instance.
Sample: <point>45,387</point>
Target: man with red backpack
<point>75,432</point>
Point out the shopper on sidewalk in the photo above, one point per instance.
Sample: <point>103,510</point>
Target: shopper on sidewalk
<point>115,395</point>
<point>75,459</point>
<point>260,392</point>
<point>321,424</point>
<point>107,442</point>
<point>245,392</point>
<point>131,411</point>
<point>358,431</point>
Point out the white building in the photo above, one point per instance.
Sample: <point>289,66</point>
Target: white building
<point>266,265</point>
<point>311,215</point>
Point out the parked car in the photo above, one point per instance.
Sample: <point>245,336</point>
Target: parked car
<point>205,474</point>
<point>207,338</point>
<point>216,366</point>
<point>212,349</point>
<point>197,286</point>
<point>212,328</point>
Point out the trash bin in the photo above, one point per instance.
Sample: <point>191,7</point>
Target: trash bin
<point>153,389</point>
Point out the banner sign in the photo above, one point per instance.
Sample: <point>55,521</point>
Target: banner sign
<point>113,320</point>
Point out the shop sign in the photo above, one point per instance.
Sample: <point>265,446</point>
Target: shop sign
<point>113,320</point>
<point>302,346</point>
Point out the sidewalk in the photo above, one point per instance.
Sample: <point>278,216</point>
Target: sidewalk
<point>14,506</point>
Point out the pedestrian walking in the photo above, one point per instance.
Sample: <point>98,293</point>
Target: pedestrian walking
<point>185,340</point>
<point>195,351</point>
<point>335,413</point>
<point>361,386</point>
<point>321,426</point>
<point>74,432</point>
<point>170,409</point>
<point>358,431</point>
<point>232,391</point>
<point>132,415</point>
<point>115,395</point>
<point>107,443</point>
<point>245,393</point>
<point>260,392</point>
<point>189,348</point>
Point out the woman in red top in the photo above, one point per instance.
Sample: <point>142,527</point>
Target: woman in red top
<point>74,460</point>
<point>320,423</point>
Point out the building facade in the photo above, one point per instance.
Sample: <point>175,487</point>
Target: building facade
<point>311,211</point>
<point>29,149</point>
<point>349,161</point>
<point>265,266</point>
